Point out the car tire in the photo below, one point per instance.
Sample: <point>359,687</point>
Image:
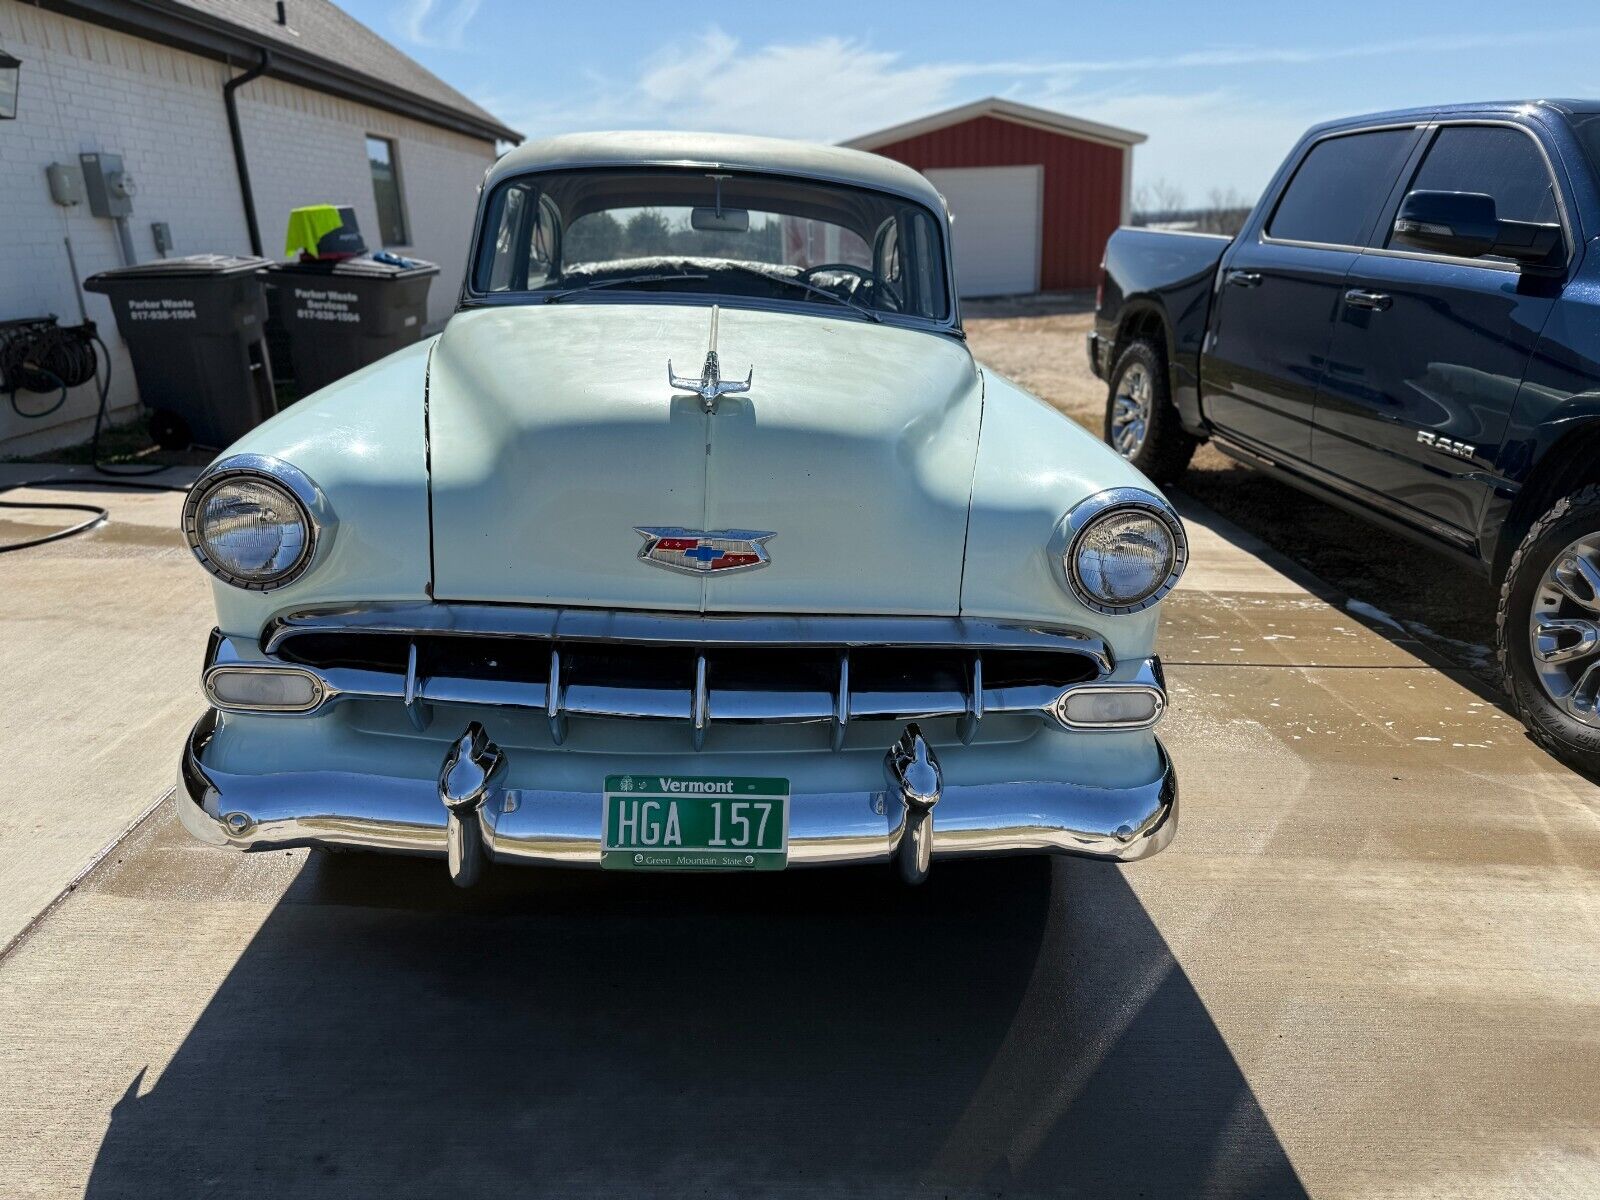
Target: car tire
<point>1141,421</point>
<point>1542,586</point>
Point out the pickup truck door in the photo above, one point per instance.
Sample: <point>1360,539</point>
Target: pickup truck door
<point>1280,287</point>
<point>1429,351</point>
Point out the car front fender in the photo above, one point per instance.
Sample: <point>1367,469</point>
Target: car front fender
<point>1033,466</point>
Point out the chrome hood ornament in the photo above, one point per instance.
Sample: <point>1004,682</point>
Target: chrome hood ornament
<point>697,551</point>
<point>710,387</point>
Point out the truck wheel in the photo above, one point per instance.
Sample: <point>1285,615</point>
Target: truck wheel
<point>1548,629</point>
<point>1141,422</point>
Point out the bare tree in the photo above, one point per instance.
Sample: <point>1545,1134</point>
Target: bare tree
<point>1162,203</point>
<point>1225,212</point>
<point>1157,200</point>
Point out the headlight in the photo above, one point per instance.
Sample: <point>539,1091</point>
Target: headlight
<point>1125,550</point>
<point>250,522</point>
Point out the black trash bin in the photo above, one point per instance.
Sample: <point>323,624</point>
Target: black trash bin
<point>340,316</point>
<point>195,329</point>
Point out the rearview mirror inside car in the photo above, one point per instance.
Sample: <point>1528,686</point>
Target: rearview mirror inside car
<point>720,220</point>
<point>1466,225</point>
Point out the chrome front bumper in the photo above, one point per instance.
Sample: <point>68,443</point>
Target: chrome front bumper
<point>914,818</point>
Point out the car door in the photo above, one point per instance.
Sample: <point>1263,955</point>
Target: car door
<point>1280,286</point>
<point>1428,351</point>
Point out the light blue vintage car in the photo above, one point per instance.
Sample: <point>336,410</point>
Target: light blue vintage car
<point>696,541</point>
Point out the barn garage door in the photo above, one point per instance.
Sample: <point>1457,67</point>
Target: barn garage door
<point>997,226</point>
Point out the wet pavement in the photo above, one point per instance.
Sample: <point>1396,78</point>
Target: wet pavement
<point>1369,965</point>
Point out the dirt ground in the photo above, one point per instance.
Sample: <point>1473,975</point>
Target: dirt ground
<point>1039,343</point>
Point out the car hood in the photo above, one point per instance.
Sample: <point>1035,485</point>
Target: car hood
<point>554,437</point>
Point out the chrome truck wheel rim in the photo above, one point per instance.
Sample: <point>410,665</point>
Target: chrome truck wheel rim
<point>1130,410</point>
<point>1564,630</point>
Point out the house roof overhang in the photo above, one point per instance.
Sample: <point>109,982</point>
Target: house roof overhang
<point>197,32</point>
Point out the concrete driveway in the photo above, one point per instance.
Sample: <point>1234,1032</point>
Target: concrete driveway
<point>1369,965</point>
<point>101,636</point>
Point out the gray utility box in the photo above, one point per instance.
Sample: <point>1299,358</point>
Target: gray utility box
<point>195,329</point>
<point>109,187</point>
<point>338,317</point>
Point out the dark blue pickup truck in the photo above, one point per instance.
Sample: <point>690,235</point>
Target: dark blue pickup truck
<point>1408,326</point>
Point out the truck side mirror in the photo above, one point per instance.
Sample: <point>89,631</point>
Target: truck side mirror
<point>1466,225</point>
<point>1462,224</point>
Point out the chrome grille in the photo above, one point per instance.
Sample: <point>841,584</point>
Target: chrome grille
<point>688,668</point>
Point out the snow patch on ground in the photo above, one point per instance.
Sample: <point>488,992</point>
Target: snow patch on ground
<point>1362,609</point>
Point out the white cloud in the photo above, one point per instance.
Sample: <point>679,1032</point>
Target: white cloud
<point>834,88</point>
<point>823,90</point>
<point>438,24</point>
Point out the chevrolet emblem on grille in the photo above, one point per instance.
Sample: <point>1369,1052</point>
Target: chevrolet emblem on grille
<point>695,551</point>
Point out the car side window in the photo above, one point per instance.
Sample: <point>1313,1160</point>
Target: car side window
<point>1339,187</point>
<point>541,244</point>
<point>925,287</point>
<point>1493,159</point>
<point>502,260</point>
<point>523,252</point>
<point>887,254</point>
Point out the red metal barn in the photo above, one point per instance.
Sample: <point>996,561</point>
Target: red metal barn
<point>1035,193</point>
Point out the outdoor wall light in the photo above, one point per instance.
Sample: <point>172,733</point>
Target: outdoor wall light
<point>10,80</point>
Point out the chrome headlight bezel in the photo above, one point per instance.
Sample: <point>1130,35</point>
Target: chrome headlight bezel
<point>1110,502</point>
<point>308,500</point>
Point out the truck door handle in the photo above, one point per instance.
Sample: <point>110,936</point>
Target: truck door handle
<point>1377,301</point>
<point>1245,278</point>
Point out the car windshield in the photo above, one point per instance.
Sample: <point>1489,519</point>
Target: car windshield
<point>855,252</point>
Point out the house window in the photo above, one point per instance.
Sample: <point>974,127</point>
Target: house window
<point>385,164</point>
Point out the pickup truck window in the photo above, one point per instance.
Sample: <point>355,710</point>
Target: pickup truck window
<point>1494,159</point>
<point>1338,189</point>
<point>1588,128</point>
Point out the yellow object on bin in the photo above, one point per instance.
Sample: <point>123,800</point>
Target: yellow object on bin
<point>308,226</point>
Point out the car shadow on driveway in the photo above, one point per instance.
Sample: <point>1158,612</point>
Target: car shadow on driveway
<point>1014,1027</point>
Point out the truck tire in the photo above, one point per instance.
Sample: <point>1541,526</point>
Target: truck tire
<point>1548,630</point>
<point>1141,421</point>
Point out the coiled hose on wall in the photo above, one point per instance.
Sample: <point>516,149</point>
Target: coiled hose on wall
<point>41,357</point>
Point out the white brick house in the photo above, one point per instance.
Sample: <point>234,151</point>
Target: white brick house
<point>144,79</point>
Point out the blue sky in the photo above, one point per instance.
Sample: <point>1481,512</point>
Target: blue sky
<point>1221,89</point>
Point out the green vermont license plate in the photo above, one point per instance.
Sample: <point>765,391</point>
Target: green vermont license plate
<point>695,823</point>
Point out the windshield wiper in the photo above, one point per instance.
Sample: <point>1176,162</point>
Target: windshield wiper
<point>809,287</point>
<point>552,297</point>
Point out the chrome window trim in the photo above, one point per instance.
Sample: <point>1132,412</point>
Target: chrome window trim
<point>1086,512</point>
<point>1444,260</point>
<point>307,497</point>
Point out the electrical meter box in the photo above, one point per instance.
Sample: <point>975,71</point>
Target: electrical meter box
<point>109,188</point>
